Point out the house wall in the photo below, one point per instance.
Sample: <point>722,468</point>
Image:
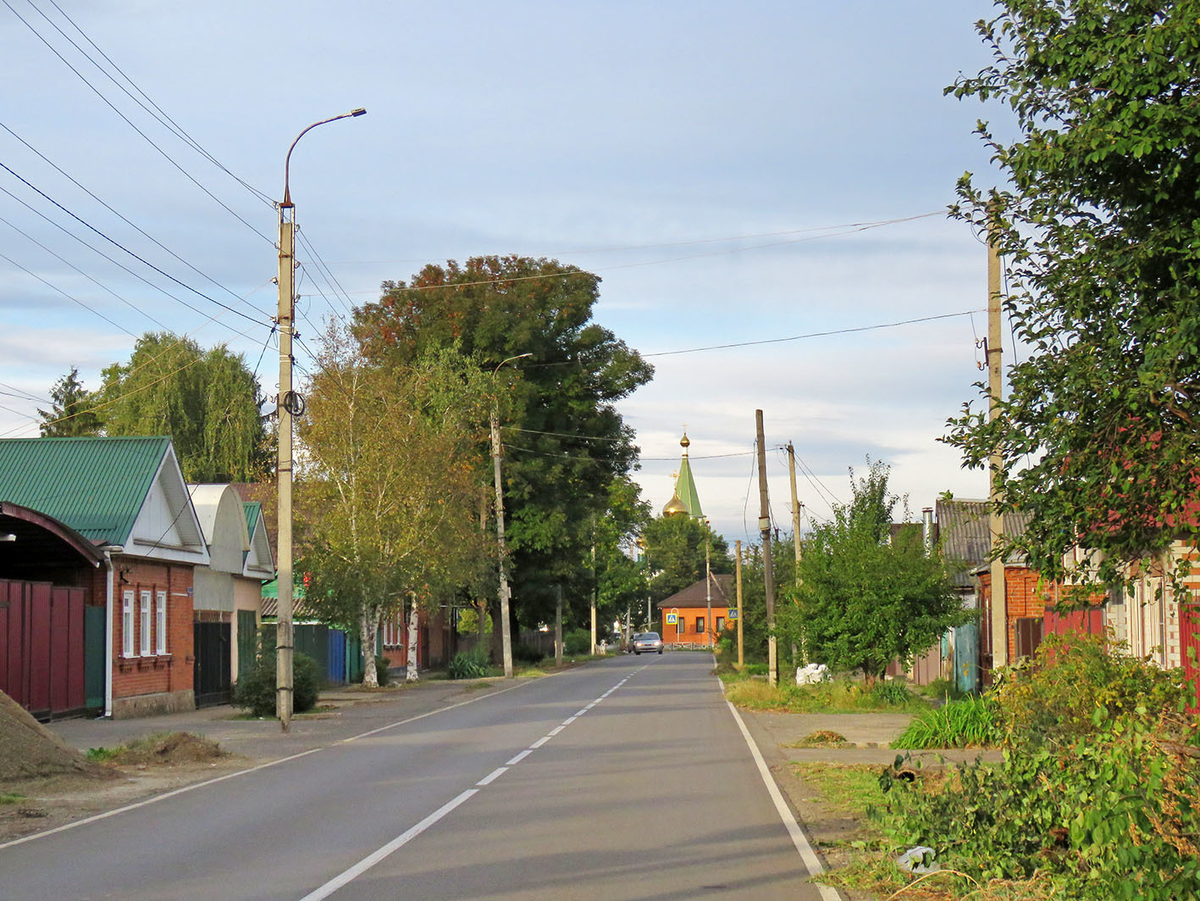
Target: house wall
<point>247,595</point>
<point>687,627</point>
<point>1024,600</point>
<point>156,683</point>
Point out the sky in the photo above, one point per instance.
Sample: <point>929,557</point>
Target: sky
<point>760,186</point>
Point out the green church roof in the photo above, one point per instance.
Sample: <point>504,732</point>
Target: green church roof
<point>685,485</point>
<point>94,485</point>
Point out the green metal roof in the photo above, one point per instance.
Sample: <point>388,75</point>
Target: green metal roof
<point>94,485</point>
<point>252,508</point>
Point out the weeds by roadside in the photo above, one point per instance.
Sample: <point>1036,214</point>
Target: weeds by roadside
<point>835,696</point>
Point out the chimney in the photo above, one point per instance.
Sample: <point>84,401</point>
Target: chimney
<point>927,529</point>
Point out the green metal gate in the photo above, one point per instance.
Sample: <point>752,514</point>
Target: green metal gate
<point>247,642</point>
<point>94,658</point>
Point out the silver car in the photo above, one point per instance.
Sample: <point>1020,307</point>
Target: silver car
<point>648,642</point>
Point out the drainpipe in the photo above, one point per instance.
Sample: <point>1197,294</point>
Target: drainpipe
<point>927,529</point>
<point>108,629</point>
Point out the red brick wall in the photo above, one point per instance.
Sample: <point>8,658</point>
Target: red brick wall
<point>171,672</point>
<point>1023,599</point>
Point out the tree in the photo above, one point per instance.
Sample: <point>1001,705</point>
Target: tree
<point>385,497</point>
<point>207,401</point>
<point>1100,229</point>
<point>867,597</point>
<point>676,548</point>
<point>564,441</point>
<point>621,584</point>
<point>71,414</point>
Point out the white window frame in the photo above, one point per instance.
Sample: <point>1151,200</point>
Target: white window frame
<point>160,622</point>
<point>127,624</point>
<point>145,623</point>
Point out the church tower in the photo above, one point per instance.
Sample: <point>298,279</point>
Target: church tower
<point>686,500</point>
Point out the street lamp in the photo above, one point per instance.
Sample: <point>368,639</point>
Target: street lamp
<point>290,404</point>
<point>505,637</point>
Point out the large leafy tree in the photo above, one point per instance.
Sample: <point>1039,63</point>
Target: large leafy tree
<point>564,441</point>
<point>675,547</point>
<point>621,581</point>
<point>1100,228</point>
<point>70,414</point>
<point>386,498</point>
<point>207,401</point>
<point>866,596</point>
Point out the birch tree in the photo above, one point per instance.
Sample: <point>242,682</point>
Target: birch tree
<point>385,494</point>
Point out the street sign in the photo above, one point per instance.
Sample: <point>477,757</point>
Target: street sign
<point>672,619</point>
<point>733,613</point>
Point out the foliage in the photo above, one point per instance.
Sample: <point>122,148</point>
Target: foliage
<point>867,597</point>
<point>70,414</point>
<point>383,674</point>
<point>577,642</point>
<point>675,546</point>
<point>1100,230</point>
<point>255,691</point>
<point>619,579</point>
<point>754,604</point>
<point>973,722</point>
<point>206,400</point>
<point>386,499</point>
<point>1100,796</point>
<point>472,664</point>
<point>564,440</point>
<point>468,621</point>
<point>1053,698</point>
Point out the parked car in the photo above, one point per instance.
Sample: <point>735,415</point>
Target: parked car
<point>648,642</point>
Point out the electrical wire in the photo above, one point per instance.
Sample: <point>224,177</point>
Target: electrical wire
<point>130,123</point>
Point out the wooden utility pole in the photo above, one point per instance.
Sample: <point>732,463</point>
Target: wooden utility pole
<point>558,642</point>
<point>764,526</point>
<point>999,619</point>
<point>741,656</point>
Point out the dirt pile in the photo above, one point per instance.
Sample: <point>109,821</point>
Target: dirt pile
<point>30,751</point>
<point>173,749</point>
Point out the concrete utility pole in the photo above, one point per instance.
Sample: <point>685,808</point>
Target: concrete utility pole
<point>289,405</point>
<point>505,628</point>
<point>558,642</point>
<point>708,622</point>
<point>741,656</point>
<point>796,510</point>
<point>764,525</point>
<point>999,619</point>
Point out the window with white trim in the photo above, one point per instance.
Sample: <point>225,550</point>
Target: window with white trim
<point>160,622</point>
<point>145,624</point>
<point>127,624</point>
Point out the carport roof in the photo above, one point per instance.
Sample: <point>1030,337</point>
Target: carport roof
<point>94,485</point>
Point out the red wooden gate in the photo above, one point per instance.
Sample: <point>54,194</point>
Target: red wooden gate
<point>41,646</point>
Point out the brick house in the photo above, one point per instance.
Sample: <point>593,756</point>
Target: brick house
<point>690,608</point>
<point>126,499</point>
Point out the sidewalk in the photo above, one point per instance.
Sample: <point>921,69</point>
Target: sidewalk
<point>354,710</point>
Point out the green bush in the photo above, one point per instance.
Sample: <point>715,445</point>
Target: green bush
<point>383,675</point>
<point>471,664</point>
<point>255,691</point>
<point>969,723</point>
<point>577,642</point>
<point>890,692</point>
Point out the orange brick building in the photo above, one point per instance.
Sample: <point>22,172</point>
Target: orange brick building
<point>695,623</point>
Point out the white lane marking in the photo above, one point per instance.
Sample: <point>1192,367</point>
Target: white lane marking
<point>156,799</point>
<point>553,732</point>
<point>492,776</point>
<point>570,720</point>
<point>421,716</point>
<point>387,850</point>
<point>541,741</point>
<point>519,757</point>
<point>811,862</point>
<point>581,712</point>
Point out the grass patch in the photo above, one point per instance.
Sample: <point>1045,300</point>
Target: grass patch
<point>102,755</point>
<point>160,748</point>
<point>973,722</point>
<point>846,788</point>
<point>8,798</point>
<point>837,696</point>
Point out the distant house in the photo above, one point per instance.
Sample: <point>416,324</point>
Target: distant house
<point>99,542</point>
<point>228,589</point>
<point>698,614</point>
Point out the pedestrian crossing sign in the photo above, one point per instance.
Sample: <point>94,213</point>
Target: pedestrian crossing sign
<point>733,613</point>
<point>672,619</point>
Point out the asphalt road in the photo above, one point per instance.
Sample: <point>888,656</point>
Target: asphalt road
<point>628,778</point>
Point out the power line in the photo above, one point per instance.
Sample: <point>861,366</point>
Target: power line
<point>130,123</point>
<point>121,247</point>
